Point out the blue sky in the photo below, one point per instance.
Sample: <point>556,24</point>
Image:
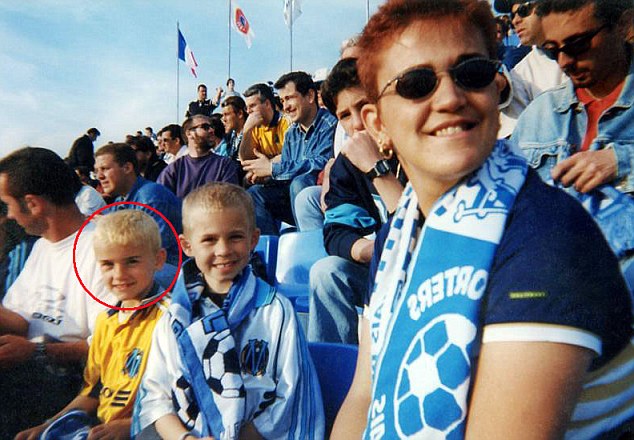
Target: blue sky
<point>67,65</point>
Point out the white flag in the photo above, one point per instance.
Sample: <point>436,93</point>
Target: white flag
<point>241,24</point>
<point>296,7</point>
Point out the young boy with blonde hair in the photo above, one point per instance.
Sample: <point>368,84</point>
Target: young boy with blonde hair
<point>128,250</point>
<point>229,360</point>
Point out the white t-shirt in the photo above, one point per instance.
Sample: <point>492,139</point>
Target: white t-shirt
<point>47,293</point>
<point>89,200</point>
<point>532,76</point>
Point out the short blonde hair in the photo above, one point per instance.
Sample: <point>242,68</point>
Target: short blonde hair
<point>217,196</point>
<point>128,226</point>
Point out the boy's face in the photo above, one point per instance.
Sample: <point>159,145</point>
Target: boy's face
<point>128,270</point>
<point>221,243</point>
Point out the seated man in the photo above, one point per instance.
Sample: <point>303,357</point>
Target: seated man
<point>229,360</point>
<point>234,116</point>
<point>265,127</point>
<point>117,169</point>
<point>579,135</point>
<point>171,141</point>
<point>46,316</point>
<point>339,282</point>
<point>128,251</point>
<point>201,165</point>
<point>535,73</point>
<point>150,165</point>
<point>307,148</point>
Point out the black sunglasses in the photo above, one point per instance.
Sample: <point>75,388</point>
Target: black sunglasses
<point>574,47</point>
<point>524,10</point>
<point>419,82</point>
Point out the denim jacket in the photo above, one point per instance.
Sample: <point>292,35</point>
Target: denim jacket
<point>306,152</point>
<point>552,129</point>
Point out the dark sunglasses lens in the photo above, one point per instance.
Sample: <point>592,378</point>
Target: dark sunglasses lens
<point>578,46</point>
<point>524,10</point>
<point>205,126</point>
<point>551,52</point>
<point>475,73</point>
<point>416,84</point>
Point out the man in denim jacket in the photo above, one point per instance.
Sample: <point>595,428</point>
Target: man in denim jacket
<point>307,147</point>
<point>580,135</point>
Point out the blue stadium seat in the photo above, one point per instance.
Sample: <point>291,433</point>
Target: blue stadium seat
<point>335,365</point>
<point>296,253</point>
<point>267,250</point>
<point>302,304</point>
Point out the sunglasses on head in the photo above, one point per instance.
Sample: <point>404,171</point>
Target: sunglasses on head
<point>524,10</point>
<point>419,82</point>
<point>574,47</point>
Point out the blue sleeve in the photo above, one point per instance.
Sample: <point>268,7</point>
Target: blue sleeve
<point>554,266</point>
<point>351,212</point>
<point>300,157</point>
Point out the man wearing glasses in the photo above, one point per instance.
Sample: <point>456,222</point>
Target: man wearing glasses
<point>580,135</point>
<point>201,165</point>
<point>535,73</point>
<point>172,143</point>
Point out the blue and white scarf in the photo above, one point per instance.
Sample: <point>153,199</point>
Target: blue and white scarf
<point>613,211</point>
<point>211,389</point>
<point>426,301</point>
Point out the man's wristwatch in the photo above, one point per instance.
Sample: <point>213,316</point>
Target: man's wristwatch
<point>381,168</point>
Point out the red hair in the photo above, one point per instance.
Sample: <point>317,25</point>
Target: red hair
<point>396,15</point>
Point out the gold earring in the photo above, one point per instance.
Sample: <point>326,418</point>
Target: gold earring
<point>386,152</point>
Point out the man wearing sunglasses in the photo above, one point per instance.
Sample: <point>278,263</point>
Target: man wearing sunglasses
<point>201,165</point>
<point>535,73</point>
<point>580,135</point>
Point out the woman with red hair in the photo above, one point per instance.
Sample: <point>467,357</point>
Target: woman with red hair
<point>497,303</point>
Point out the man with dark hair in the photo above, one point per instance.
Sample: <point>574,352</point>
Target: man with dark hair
<point>265,127</point>
<point>359,178</point>
<point>46,316</point>
<point>202,106</point>
<point>173,143</point>
<point>234,116</point>
<point>535,73</point>
<point>231,91</point>
<point>201,165</point>
<point>117,169</point>
<point>578,136</point>
<point>82,150</point>
<point>307,148</point>
<point>217,133</point>
<point>150,166</point>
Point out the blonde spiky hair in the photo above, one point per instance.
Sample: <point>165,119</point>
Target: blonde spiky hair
<point>128,226</point>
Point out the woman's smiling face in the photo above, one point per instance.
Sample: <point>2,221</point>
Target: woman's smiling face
<point>449,133</point>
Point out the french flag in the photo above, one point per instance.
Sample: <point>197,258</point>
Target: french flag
<point>185,54</point>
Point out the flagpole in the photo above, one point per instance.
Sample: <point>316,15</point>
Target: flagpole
<point>291,31</point>
<point>177,71</point>
<point>229,51</point>
<point>367,11</point>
